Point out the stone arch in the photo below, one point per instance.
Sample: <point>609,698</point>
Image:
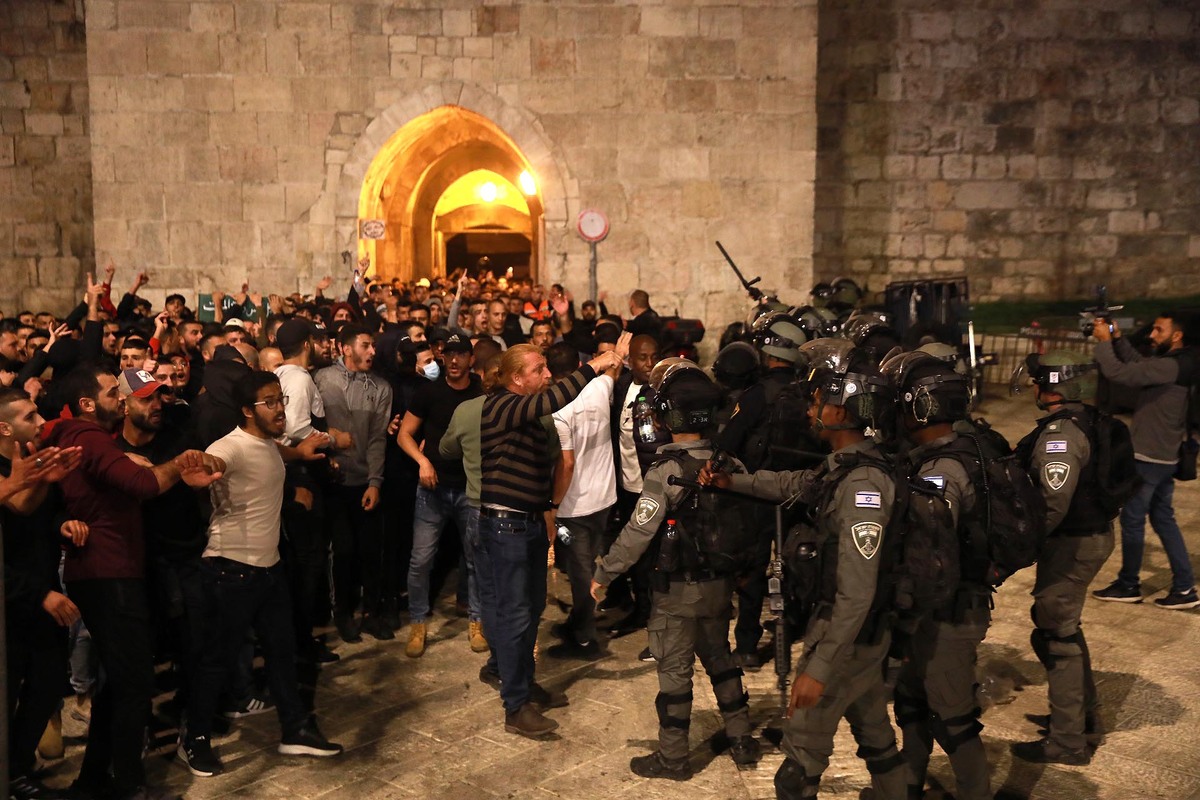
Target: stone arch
<point>491,126</point>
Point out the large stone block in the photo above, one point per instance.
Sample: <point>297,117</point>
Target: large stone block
<point>183,53</point>
<point>263,203</point>
<point>117,52</point>
<point>299,16</point>
<point>153,14</point>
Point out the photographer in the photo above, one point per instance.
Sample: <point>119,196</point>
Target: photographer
<point>1159,426</point>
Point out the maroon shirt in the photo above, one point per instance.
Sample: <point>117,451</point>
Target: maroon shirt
<point>106,492</point>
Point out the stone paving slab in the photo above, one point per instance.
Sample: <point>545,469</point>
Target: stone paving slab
<point>426,728</point>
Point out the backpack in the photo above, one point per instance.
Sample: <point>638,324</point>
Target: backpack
<point>715,531</point>
<point>1111,478</point>
<point>919,571</point>
<point>1007,527</point>
<point>782,439</point>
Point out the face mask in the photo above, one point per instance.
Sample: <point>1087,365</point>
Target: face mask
<point>432,370</point>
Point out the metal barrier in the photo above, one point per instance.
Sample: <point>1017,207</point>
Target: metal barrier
<point>1007,351</point>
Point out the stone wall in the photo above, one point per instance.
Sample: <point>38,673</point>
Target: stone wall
<point>1041,147</point>
<point>45,158</point>
<point>229,139</point>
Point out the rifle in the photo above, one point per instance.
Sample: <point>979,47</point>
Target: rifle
<point>755,294</point>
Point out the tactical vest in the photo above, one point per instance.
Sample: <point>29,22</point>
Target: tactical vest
<point>1086,515</point>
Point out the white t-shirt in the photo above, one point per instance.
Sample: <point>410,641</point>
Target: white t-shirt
<point>246,500</point>
<point>304,402</point>
<point>584,427</point>
<point>631,470</point>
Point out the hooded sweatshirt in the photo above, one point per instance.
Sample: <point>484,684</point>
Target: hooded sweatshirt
<point>106,492</point>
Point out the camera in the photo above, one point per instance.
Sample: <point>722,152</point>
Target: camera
<point>1102,310</point>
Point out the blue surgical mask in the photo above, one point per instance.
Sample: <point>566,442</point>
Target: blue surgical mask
<point>432,370</point>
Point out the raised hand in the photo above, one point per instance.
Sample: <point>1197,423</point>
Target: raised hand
<point>56,334</point>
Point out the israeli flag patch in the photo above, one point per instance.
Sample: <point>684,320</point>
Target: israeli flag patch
<point>937,480</point>
<point>868,500</point>
<point>1056,446</point>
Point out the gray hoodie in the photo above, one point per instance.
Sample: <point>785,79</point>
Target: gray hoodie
<point>360,403</point>
<point>1160,415</point>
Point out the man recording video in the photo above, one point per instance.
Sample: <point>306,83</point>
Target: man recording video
<point>1159,426</point>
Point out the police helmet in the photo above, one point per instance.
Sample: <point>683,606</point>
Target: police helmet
<point>736,366</point>
<point>816,322</point>
<point>948,353</point>
<point>759,310</point>
<point>872,330</point>
<point>928,389</point>
<point>846,376</point>
<point>777,335</point>
<point>685,398</point>
<point>845,290</point>
<point>1063,372</point>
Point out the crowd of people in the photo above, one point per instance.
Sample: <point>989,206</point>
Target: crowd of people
<point>194,492</point>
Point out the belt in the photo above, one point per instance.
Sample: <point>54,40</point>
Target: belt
<point>504,513</point>
<point>236,567</point>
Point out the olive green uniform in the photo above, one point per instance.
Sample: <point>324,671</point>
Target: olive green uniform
<point>935,695</point>
<point>1066,565</point>
<point>689,619</point>
<point>846,640</point>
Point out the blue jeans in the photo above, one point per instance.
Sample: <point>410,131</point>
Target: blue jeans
<point>1158,489</point>
<point>434,507</point>
<point>511,571</point>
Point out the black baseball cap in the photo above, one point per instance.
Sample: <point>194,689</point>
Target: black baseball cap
<point>457,343</point>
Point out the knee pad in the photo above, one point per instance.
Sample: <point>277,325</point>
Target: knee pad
<point>909,709</point>
<point>792,784</point>
<point>969,725</point>
<point>665,720</point>
<point>880,759</point>
<point>1071,646</point>
<point>726,675</point>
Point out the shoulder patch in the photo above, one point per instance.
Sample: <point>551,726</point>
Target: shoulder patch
<point>1056,446</point>
<point>1054,426</point>
<point>1056,474</point>
<point>866,538</point>
<point>867,500</point>
<point>645,510</point>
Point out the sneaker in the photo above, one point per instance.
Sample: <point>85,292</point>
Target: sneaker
<point>348,628</point>
<point>24,787</point>
<point>1179,601</point>
<point>489,677</point>
<point>315,652</point>
<point>544,698</point>
<point>376,626</point>
<point>745,751</point>
<point>1115,592</point>
<point>50,746</point>
<point>585,651</point>
<point>656,766</point>
<point>308,741</point>
<point>250,707</point>
<point>1044,751</point>
<point>198,757</point>
<point>416,640</point>
<point>528,721</point>
<point>479,643</point>
<point>646,656</point>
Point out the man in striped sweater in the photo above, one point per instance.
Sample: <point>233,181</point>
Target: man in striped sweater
<point>515,491</point>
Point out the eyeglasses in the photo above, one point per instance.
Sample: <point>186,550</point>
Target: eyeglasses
<point>273,403</point>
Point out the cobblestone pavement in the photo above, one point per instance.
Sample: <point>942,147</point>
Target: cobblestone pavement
<point>427,728</point>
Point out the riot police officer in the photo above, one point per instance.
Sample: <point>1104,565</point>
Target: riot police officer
<point>851,496</point>
<point>1061,456</point>
<point>935,693</point>
<point>753,430</point>
<point>691,603</point>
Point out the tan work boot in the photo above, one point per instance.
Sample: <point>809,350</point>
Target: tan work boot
<point>475,635</point>
<point>416,640</point>
<point>50,746</point>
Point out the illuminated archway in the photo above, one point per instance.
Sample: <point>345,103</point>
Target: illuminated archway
<point>452,150</point>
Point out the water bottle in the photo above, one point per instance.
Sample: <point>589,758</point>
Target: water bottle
<point>643,419</point>
<point>564,534</point>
